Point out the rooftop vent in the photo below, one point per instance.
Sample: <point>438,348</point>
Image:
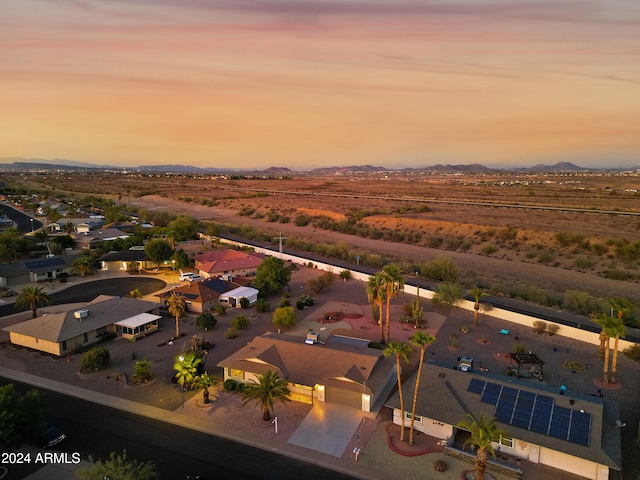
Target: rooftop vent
<point>81,314</point>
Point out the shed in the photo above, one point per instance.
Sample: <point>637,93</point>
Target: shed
<point>232,298</point>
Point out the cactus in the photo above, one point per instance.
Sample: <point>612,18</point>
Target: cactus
<point>439,466</point>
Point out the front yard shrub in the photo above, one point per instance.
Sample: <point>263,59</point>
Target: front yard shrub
<point>262,306</point>
<point>633,352</point>
<point>305,301</point>
<point>229,384</point>
<point>95,359</point>
<point>284,302</point>
<point>284,317</point>
<point>552,329</point>
<point>142,372</point>
<point>321,283</point>
<point>231,333</point>
<point>439,466</point>
<point>240,322</point>
<point>520,348</point>
<point>206,321</point>
<point>244,303</point>
<point>221,310</point>
<point>345,274</point>
<point>539,326</point>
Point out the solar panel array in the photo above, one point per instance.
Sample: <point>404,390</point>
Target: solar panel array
<point>535,412</point>
<point>44,262</point>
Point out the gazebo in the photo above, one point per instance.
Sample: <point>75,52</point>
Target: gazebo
<point>527,359</point>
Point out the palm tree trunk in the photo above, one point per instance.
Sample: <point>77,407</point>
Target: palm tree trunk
<point>266,415</point>
<point>415,397</point>
<point>603,339</point>
<point>381,322</point>
<point>476,309</point>
<point>398,369</point>
<point>614,361</point>
<point>481,463</point>
<point>605,370</point>
<point>389,320</point>
<point>205,395</point>
<point>177,326</point>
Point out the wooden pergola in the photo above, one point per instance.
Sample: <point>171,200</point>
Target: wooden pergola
<point>526,359</point>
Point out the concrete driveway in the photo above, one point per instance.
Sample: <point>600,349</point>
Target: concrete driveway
<point>327,428</point>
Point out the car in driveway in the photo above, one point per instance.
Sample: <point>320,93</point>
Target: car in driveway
<point>465,364</point>
<point>186,276</point>
<point>50,435</point>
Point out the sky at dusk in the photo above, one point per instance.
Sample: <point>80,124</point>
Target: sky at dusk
<point>311,83</point>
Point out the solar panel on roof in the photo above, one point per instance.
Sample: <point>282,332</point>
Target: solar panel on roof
<point>561,411</point>
<point>520,422</point>
<point>539,425</point>
<point>491,393</point>
<point>476,385</point>
<point>527,395</point>
<point>544,399</point>
<point>557,431</point>
<point>510,392</point>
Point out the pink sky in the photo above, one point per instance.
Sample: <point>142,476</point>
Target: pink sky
<point>308,83</point>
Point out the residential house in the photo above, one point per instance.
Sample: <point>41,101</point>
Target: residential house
<point>95,238</point>
<point>232,298</point>
<point>343,370</point>
<point>127,260</point>
<point>34,270</point>
<point>575,433</point>
<point>227,262</point>
<point>200,296</point>
<point>62,328</point>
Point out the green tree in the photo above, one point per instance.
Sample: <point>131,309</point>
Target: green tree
<point>482,433</point>
<point>12,244</point>
<point>205,382</point>
<point>181,259</point>
<point>284,317</point>
<point>376,295</point>
<point>32,297</point>
<point>393,283</point>
<point>21,417</point>
<point>608,325</point>
<point>240,322</point>
<point>119,467</point>
<point>421,340</point>
<point>321,283</point>
<point>85,265</point>
<point>476,293</point>
<point>177,306</point>
<point>186,366</point>
<point>266,390</point>
<point>183,228</point>
<point>206,320</point>
<point>402,351</point>
<point>95,359</point>
<point>447,293</point>
<point>271,276</point>
<point>618,330</point>
<point>142,372</point>
<point>158,250</point>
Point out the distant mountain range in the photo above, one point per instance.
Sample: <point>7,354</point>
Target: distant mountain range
<point>37,164</point>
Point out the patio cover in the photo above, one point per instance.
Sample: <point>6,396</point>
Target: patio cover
<point>138,320</point>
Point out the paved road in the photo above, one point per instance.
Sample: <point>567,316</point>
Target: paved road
<point>22,220</point>
<point>176,451</point>
<point>85,292</point>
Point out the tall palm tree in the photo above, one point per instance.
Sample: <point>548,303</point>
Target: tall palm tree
<point>376,295</point>
<point>177,305</point>
<point>266,390</point>
<point>421,340</point>
<point>186,367</point>
<point>393,283</point>
<point>32,298</point>
<point>206,381</point>
<point>617,330</point>
<point>402,351</point>
<point>477,293</point>
<point>608,330</point>
<point>483,432</point>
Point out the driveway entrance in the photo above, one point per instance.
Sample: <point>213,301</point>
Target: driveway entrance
<point>327,428</point>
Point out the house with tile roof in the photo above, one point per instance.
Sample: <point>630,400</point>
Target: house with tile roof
<point>575,433</point>
<point>200,296</point>
<point>227,262</point>
<point>345,372</point>
<point>61,328</point>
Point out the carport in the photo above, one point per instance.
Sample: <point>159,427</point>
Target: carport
<point>138,325</point>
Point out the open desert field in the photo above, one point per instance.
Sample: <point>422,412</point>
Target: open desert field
<point>572,231</point>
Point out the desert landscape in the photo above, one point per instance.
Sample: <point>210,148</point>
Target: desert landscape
<point>554,231</point>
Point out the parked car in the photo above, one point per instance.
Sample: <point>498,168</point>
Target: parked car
<point>465,364</point>
<point>186,276</point>
<point>194,278</point>
<point>51,435</point>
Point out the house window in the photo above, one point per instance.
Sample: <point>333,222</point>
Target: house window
<point>236,373</point>
<point>86,337</point>
<point>64,345</point>
<point>506,441</point>
<point>101,331</point>
<point>417,418</point>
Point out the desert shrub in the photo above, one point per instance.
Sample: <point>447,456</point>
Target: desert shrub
<point>206,321</point>
<point>520,348</point>
<point>197,344</point>
<point>599,249</point>
<point>231,333</point>
<point>95,359</point>
<point>284,302</point>
<point>321,283</point>
<point>552,329</point>
<point>229,384</point>
<point>441,269</point>
<point>142,372</point>
<point>301,220</point>
<point>546,257</point>
<point>539,326</point>
<point>240,322</point>
<point>244,303</point>
<point>633,352</point>
<point>307,300</point>
<point>345,274</point>
<point>506,234</point>
<point>583,262</point>
<point>221,310</point>
<point>580,303</point>
<point>447,293</point>
<point>262,306</point>
<point>439,466</point>
<point>617,274</point>
<point>489,248</point>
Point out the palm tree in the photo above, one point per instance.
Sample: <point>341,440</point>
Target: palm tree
<point>32,298</point>
<point>266,390</point>
<point>422,340</point>
<point>608,330</point>
<point>205,381</point>
<point>483,432</point>
<point>393,283</point>
<point>402,351</point>
<point>186,367</point>
<point>618,330</point>
<point>376,294</point>
<point>476,292</point>
<point>177,305</point>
